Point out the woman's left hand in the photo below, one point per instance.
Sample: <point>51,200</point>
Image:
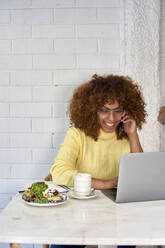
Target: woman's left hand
<point>131,129</point>
<point>129,124</point>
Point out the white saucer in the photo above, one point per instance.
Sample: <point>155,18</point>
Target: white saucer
<point>73,194</point>
<point>47,204</point>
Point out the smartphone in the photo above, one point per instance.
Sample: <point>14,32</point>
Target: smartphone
<point>121,126</point>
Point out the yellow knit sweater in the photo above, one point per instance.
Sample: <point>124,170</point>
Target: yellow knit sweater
<point>80,153</point>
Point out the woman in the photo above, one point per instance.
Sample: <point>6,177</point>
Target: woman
<point>105,114</point>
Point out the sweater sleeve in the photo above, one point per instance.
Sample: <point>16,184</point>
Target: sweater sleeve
<point>64,168</point>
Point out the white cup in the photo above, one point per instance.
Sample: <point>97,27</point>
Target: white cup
<point>82,184</point>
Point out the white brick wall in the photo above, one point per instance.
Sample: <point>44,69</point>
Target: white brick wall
<point>30,110</point>
<point>99,31</point>
<point>4,17</point>
<point>4,78</point>
<point>46,49</point>
<point>5,46</point>
<point>15,94</point>
<point>4,109</point>
<point>15,31</point>
<point>32,46</point>
<point>162,54</point>
<point>74,15</point>
<point>53,31</point>
<point>32,16</point>
<point>11,125</point>
<point>69,46</point>
<point>162,71</point>
<point>35,78</point>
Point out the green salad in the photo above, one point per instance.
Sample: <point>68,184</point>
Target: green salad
<point>35,193</point>
<point>39,192</point>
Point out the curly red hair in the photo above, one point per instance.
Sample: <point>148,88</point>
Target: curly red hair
<point>90,97</point>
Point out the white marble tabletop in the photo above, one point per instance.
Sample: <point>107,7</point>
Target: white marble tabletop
<point>97,221</point>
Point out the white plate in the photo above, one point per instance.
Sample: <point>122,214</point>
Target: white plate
<point>48,204</point>
<point>72,194</point>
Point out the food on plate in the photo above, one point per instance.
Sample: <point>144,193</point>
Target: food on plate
<point>39,192</point>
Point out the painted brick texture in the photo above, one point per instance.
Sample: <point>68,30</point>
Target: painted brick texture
<point>162,70</point>
<point>47,48</point>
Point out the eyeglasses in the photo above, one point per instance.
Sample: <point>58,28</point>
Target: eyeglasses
<point>116,112</point>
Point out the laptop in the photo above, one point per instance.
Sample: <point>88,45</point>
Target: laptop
<point>141,178</point>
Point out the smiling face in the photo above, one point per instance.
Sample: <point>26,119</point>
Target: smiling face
<point>110,116</point>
